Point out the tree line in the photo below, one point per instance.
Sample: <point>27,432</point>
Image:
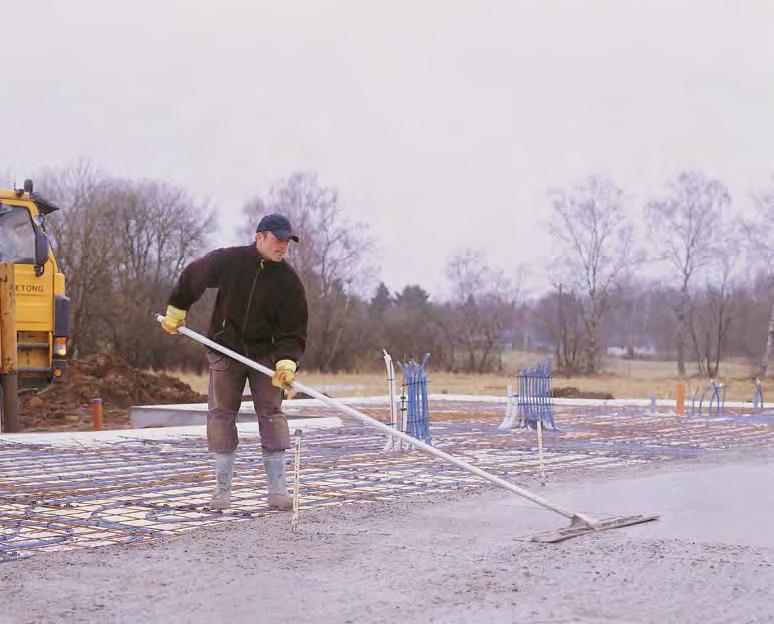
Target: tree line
<point>715,292</point>
<point>698,287</point>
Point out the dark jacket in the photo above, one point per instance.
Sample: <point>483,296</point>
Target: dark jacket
<point>261,309</point>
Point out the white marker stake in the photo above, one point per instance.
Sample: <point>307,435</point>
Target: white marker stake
<point>540,450</point>
<point>392,444</point>
<point>296,479</point>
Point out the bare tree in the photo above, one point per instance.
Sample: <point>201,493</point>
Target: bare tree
<point>158,229</point>
<point>760,240</point>
<point>121,245</point>
<point>711,314</point>
<point>595,252</point>
<point>685,230</point>
<point>83,240</point>
<point>481,308</point>
<point>561,317</point>
<point>631,311</point>
<point>332,259</point>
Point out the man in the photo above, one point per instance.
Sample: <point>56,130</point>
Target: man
<point>260,312</point>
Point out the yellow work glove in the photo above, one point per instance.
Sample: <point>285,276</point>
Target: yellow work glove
<point>285,375</point>
<point>175,318</point>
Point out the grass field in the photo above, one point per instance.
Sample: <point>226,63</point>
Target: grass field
<point>621,378</point>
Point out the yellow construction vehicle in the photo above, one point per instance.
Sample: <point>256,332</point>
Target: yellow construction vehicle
<point>34,310</point>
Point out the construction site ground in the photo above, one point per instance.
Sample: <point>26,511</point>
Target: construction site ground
<point>119,532</point>
<point>66,406</point>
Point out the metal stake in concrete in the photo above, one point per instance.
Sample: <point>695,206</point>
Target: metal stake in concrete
<point>580,523</point>
<point>757,394</point>
<point>510,410</point>
<point>540,451</point>
<point>392,444</point>
<point>296,478</point>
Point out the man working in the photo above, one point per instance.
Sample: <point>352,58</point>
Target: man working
<point>260,312</point>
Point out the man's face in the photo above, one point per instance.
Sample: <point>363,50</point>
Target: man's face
<point>271,247</point>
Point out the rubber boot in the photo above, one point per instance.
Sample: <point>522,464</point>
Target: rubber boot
<point>274,463</point>
<point>224,470</point>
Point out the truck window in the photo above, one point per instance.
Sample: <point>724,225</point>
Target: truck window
<point>17,237</point>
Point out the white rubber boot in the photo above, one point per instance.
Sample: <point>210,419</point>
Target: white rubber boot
<point>224,470</point>
<point>274,463</point>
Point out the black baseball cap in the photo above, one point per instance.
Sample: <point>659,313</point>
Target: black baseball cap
<point>277,225</point>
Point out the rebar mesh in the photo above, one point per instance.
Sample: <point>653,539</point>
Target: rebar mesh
<point>57,498</point>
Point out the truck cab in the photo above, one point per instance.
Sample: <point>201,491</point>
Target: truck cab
<point>42,308</point>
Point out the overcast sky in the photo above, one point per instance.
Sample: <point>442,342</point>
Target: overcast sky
<point>442,124</point>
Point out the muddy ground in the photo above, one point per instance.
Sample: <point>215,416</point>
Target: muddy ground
<point>461,558</point>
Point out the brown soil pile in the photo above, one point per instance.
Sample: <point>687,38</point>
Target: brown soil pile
<point>571,392</point>
<point>66,406</point>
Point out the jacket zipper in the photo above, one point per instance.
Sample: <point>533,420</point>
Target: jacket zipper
<point>258,270</point>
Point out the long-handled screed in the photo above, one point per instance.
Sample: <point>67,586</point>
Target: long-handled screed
<point>580,523</point>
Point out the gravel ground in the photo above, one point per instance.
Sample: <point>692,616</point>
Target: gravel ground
<point>462,558</point>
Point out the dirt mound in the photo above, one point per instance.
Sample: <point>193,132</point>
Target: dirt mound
<point>571,392</point>
<point>66,405</point>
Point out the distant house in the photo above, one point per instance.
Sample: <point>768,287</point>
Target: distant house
<point>631,352</point>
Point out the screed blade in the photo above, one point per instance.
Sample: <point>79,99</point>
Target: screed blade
<point>560,535</point>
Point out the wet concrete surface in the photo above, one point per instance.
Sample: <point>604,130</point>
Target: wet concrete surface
<point>702,501</point>
<point>451,558</point>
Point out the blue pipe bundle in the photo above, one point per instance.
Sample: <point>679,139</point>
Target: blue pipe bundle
<point>714,394</point>
<point>534,399</point>
<point>414,399</point>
